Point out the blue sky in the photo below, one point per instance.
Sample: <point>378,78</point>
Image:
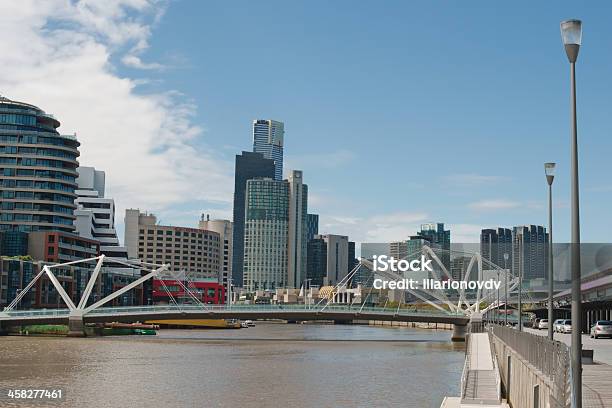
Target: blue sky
<point>442,110</point>
<point>398,112</point>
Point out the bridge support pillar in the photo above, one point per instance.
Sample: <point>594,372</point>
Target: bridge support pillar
<point>459,332</point>
<point>76,327</point>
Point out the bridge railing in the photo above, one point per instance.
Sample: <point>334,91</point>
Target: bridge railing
<point>272,308</point>
<point>356,309</point>
<point>550,357</point>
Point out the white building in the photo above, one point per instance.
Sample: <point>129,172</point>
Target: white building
<point>296,240</point>
<point>225,230</point>
<point>95,214</point>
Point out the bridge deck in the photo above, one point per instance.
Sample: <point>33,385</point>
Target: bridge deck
<point>481,383</point>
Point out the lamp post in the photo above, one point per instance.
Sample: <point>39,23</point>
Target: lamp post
<point>229,294</point>
<point>306,284</point>
<point>520,288</point>
<point>497,308</point>
<point>506,286</point>
<point>571,33</point>
<point>549,170</point>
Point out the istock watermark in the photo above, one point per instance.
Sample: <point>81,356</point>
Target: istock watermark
<point>385,263</point>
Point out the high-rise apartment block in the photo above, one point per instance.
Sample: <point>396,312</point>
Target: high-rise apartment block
<point>37,170</point>
<point>275,233</point>
<point>530,251</point>
<point>494,243</point>
<point>266,234</point>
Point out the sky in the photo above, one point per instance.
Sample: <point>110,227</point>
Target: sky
<point>398,112</point>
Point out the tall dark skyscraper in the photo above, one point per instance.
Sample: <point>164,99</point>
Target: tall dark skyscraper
<point>494,243</point>
<point>436,237</point>
<point>249,165</point>
<point>530,251</point>
<point>316,268</point>
<point>312,226</point>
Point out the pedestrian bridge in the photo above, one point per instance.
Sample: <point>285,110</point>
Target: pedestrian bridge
<point>442,306</point>
<point>284,312</point>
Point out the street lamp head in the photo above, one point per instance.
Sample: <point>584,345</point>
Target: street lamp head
<point>506,256</point>
<point>549,169</point>
<point>571,33</point>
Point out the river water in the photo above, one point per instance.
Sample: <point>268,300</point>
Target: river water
<point>271,365</point>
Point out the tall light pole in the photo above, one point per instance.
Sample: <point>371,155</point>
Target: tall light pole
<point>520,286</point>
<point>571,33</point>
<point>506,286</point>
<point>549,170</point>
<point>497,308</point>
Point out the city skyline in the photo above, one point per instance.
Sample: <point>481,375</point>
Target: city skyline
<point>331,117</point>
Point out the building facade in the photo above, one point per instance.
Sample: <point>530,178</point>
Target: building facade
<point>312,226</point>
<point>37,170</point>
<point>95,214</point>
<point>195,252</point>
<point>268,139</point>
<point>248,166</point>
<point>316,263</point>
<point>530,251</point>
<point>225,230</point>
<point>435,236</point>
<point>297,240</point>
<point>266,235</point>
<point>399,249</point>
<point>328,259</point>
<point>494,243</point>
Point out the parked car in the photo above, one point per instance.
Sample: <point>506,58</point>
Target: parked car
<point>601,328</point>
<point>566,326</point>
<point>557,324</point>
<point>542,324</point>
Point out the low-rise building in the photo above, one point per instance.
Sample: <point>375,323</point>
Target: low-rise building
<point>195,252</point>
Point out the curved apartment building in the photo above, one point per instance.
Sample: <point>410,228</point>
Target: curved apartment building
<point>37,170</point>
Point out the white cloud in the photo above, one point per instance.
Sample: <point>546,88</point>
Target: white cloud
<point>134,61</point>
<point>58,56</point>
<point>377,228</point>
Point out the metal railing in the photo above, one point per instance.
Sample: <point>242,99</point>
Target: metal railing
<point>550,357</point>
<point>238,308</point>
<point>466,367</point>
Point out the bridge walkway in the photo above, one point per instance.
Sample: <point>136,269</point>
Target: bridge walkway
<point>481,378</point>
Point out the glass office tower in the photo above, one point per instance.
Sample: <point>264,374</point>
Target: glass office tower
<point>248,166</point>
<point>268,136</point>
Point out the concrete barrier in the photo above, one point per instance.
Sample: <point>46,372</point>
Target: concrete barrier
<point>524,385</point>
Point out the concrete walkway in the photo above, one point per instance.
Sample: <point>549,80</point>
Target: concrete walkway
<point>481,385</point>
<point>481,382</point>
